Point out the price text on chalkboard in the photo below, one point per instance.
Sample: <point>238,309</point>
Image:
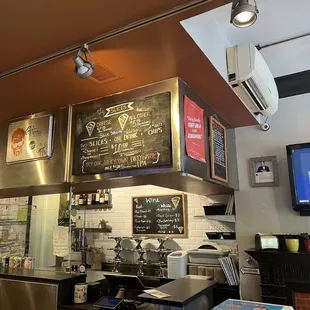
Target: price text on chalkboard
<point>218,151</point>
<point>131,135</point>
<point>161,215</point>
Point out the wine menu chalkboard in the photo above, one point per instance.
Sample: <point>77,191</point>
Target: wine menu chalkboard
<point>160,215</point>
<point>130,135</point>
<point>218,151</point>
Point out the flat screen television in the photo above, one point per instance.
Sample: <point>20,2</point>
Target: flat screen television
<point>298,159</point>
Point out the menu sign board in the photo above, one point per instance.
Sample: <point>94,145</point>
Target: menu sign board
<point>30,139</point>
<point>194,130</point>
<point>129,135</point>
<point>160,215</point>
<point>218,151</point>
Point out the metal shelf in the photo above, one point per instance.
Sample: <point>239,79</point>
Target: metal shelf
<point>142,250</point>
<point>95,230</point>
<point>11,222</point>
<point>101,206</point>
<point>78,249</point>
<point>221,241</point>
<point>220,218</point>
<point>18,205</point>
<point>159,250</point>
<point>7,244</point>
<point>204,264</point>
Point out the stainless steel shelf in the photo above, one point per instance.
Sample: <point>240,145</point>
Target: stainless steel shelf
<point>221,241</point>
<point>95,230</point>
<point>11,222</point>
<point>159,250</point>
<point>220,218</point>
<point>102,206</point>
<point>8,244</point>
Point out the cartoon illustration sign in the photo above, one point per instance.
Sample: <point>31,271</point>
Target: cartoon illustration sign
<point>30,139</point>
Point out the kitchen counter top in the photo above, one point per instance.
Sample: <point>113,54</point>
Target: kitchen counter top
<point>182,291</point>
<point>78,307</point>
<point>51,276</point>
<point>91,307</point>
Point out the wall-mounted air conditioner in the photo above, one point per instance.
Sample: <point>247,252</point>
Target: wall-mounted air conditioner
<point>252,80</point>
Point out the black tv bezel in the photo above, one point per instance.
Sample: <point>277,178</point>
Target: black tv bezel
<point>296,205</point>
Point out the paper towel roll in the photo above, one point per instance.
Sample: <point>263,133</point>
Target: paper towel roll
<point>80,293</point>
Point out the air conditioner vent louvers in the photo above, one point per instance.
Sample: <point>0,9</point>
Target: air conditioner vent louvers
<point>256,94</point>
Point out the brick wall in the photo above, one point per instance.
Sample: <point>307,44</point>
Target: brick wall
<point>120,219</point>
<point>302,301</point>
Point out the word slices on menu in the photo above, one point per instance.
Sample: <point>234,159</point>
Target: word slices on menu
<point>17,262</point>
<point>102,196</point>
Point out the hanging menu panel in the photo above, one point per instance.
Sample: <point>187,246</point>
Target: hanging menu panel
<point>218,151</point>
<point>130,135</point>
<point>160,215</point>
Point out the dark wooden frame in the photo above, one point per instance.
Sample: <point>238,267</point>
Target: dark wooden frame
<point>213,176</point>
<point>184,235</point>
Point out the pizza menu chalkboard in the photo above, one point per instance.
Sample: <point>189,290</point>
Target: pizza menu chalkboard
<point>218,151</point>
<point>130,135</point>
<point>161,215</point>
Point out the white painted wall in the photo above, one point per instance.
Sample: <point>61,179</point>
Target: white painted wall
<point>269,209</point>
<point>209,36</point>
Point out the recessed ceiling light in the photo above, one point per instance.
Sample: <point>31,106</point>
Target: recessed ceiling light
<point>243,14</point>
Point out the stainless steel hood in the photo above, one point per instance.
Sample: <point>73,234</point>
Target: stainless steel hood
<point>37,177</point>
<point>54,175</point>
<point>185,174</point>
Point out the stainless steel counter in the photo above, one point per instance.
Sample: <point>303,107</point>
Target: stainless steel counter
<point>42,275</point>
<point>36,289</point>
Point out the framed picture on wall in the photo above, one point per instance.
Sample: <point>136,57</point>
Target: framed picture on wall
<point>264,171</point>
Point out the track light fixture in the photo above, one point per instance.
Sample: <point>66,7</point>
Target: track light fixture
<point>83,67</point>
<point>243,14</point>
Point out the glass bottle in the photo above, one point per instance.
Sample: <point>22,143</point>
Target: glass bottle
<point>106,196</point>
<point>79,223</point>
<point>81,200</point>
<point>77,198</point>
<point>101,197</point>
<point>97,197</point>
<point>89,199</point>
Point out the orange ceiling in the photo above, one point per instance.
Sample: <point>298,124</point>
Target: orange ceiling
<point>145,55</point>
<point>36,28</point>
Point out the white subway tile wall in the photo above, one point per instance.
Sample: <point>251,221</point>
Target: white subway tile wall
<point>12,237</point>
<point>120,218</point>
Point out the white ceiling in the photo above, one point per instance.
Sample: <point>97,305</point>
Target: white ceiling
<point>277,20</point>
<point>289,57</point>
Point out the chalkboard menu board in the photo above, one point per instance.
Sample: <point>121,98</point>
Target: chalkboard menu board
<point>160,215</point>
<point>218,151</point>
<point>130,135</point>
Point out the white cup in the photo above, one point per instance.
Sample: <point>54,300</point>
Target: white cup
<point>80,293</point>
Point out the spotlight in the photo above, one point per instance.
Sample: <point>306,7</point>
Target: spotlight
<point>83,68</point>
<point>243,14</point>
